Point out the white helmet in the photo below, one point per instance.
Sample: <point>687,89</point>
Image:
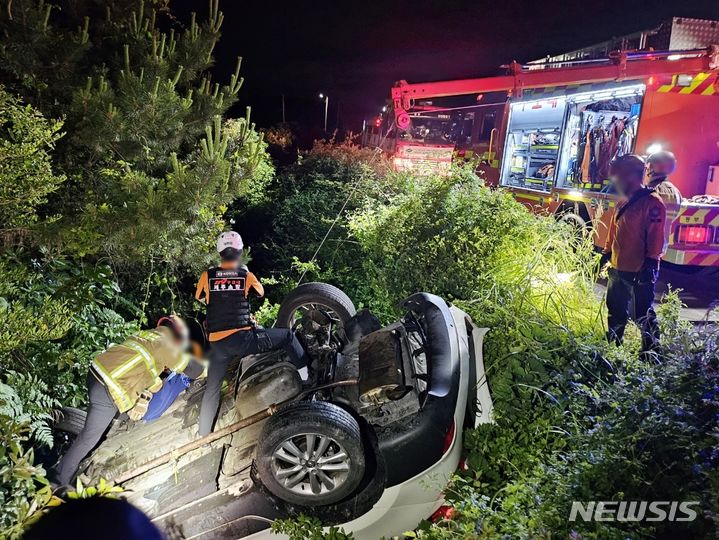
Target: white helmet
<point>229,239</point>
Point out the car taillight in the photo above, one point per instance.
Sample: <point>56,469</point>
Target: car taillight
<point>443,512</point>
<point>693,234</point>
<point>448,438</point>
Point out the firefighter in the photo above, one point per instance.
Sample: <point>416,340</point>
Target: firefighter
<point>634,247</point>
<point>659,166</point>
<point>232,329</point>
<point>123,379</point>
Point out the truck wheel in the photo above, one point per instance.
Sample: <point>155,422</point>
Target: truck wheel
<point>310,453</point>
<point>322,302</point>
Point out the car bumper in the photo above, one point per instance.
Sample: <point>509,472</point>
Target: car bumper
<point>403,506</point>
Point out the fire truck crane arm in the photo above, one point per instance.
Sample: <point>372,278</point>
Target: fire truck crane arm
<point>618,67</point>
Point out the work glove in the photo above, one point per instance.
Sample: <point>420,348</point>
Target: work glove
<point>141,405</point>
<point>649,271</point>
<point>264,343</point>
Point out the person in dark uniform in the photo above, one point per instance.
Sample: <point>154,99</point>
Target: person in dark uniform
<point>660,166</point>
<point>634,247</point>
<point>232,330</point>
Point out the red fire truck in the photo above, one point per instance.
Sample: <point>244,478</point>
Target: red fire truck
<point>547,131</point>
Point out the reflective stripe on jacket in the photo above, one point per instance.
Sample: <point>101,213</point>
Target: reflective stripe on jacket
<point>135,365</point>
<point>672,198</point>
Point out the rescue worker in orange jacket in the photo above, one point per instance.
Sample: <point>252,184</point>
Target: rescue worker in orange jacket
<point>232,330</point>
<point>634,248</point>
<point>123,379</point>
<point>659,166</point>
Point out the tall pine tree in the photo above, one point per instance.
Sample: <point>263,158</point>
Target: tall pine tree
<point>150,166</point>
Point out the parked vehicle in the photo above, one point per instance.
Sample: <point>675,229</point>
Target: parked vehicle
<point>548,130</point>
<point>369,442</point>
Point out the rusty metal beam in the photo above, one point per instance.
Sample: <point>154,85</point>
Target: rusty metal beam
<point>219,434</point>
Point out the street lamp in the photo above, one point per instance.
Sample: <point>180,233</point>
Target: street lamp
<point>327,101</point>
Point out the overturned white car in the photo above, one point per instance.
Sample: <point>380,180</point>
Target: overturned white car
<point>368,442</point>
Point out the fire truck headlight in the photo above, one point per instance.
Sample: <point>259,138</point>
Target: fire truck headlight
<point>654,148</point>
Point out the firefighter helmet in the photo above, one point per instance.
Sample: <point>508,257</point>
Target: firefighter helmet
<point>229,239</point>
<point>628,163</point>
<point>179,328</point>
<point>661,163</point>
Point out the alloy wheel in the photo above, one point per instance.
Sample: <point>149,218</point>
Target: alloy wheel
<point>310,463</point>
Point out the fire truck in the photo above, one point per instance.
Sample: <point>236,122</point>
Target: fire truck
<point>548,131</point>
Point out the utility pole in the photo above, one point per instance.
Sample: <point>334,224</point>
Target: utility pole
<point>283,109</point>
<point>327,103</point>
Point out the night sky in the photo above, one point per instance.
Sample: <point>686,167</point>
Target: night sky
<point>355,50</point>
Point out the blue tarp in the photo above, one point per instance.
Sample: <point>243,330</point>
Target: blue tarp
<point>174,385</point>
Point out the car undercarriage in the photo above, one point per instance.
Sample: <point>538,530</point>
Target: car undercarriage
<point>380,407</point>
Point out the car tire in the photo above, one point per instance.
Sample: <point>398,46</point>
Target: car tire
<point>71,420</point>
<point>323,294</point>
<point>293,474</point>
<point>361,501</point>
<point>65,429</point>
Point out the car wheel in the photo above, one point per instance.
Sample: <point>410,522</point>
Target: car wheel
<point>310,453</point>
<point>71,420</point>
<point>321,302</point>
<point>65,429</point>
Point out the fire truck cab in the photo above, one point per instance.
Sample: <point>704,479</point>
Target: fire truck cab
<point>548,131</point>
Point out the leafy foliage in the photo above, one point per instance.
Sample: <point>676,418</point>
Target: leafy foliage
<point>308,528</point>
<point>24,491</point>
<point>36,405</point>
<point>150,167</point>
<point>26,174</point>
<point>575,419</point>
<point>66,314</point>
<point>302,203</point>
<point>102,489</point>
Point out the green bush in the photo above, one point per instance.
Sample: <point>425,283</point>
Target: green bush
<point>647,433</point>
<point>24,491</point>
<point>58,316</point>
<point>145,154</point>
<point>26,174</point>
<point>452,236</point>
<point>308,197</point>
<point>575,419</point>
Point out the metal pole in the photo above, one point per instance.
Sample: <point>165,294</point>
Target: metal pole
<point>327,103</point>
<point>283,109</point>
<point>197,443</point>
<point>224,432</point>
